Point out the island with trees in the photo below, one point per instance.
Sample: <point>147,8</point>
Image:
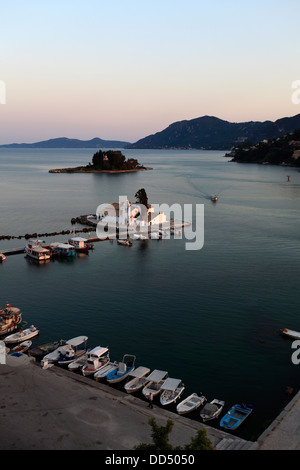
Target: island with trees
<point>111,161</point>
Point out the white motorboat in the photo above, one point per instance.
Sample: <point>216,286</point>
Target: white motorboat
<point>22,347</point>
<point>171,390</point>
<point>76,349</point>
<point>125,367</point>
<point>290,333</point>
<point>156,379</point>
<point>124,242</point>
<point>139,236</point>
<point>78,363</point>
<point>35,250</point>
<point>139,380</point>
<point>60,351</point>
<point>212,410</point>
<point>191,403</point>
<point>22,335</point>
<point>2,257</point>
<point>98,357</point>
<point>104,371</point>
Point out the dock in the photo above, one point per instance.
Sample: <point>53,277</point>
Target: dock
<point>13,251</point>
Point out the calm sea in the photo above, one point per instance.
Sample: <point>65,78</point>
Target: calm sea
<point>210,317</point>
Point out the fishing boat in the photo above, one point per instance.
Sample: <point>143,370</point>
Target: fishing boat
<point>191,403</point>
<point>34,250</point>
<point>156,379</point>
<point>104,371</point>
<point>235,417</point>
<point>2,257</point>
<point>22,335</point>
<point>79,363</point>
<point>212,410</point>
<point>10,319</point>
<point>40,351</point>
<point>124,242</point>
<point>139,379</point>
<point>62,249</point>
<point>171,390</point>
<point>290,333</point>
<point>55,354</point>
<point>80,244</point>
<point>76,348</point>
<point>125,367</point>
<point>22,347</point>
<point>98,357</point>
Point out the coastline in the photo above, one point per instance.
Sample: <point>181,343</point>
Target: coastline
<point>83,170</point>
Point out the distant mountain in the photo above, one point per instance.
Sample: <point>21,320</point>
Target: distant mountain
<point>212,133</point>
<point>64,142</point>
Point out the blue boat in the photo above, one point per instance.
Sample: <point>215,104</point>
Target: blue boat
<point>235,416</point>
<point>124,369</point>
<point>62,249</point>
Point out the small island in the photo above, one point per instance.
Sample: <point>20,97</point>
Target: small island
<point>111,161</point>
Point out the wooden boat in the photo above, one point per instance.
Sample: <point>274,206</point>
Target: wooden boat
<point>22,335</point>
<point>34,250</point>
<point>98,357</point>
<point>80,244</point>
<point>139,380</point>
<point>62,249</point>
<point>22,347</point>
<point>235,417</point>
<point>10,319</point>
<point>79,363</point>
<point>191,403</point>
<point>124,242</point>
<point>76,348</point>
<point>41,351</point>
<point>156,379</point>
<point>171,390</point>
<point>212,410</point>
<point>104,371</point>
<point>290,333</point>
<point>125,367</point>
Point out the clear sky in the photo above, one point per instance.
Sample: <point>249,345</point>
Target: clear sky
<point>124,69</point>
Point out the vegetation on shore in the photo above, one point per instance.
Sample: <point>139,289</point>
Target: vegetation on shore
<point>108,161</point>
<point>281,151</point>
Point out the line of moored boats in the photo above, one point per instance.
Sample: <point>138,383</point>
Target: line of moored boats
<point>96,363</point>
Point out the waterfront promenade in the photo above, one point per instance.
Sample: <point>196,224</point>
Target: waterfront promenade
<point>59,409</point>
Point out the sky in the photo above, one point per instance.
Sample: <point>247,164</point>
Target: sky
<point>125,69</point>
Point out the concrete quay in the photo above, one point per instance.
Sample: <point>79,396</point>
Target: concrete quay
<point>55,409</point>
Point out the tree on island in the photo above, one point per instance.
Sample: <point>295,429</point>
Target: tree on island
<point>160,437</point>
<point>113,160</point>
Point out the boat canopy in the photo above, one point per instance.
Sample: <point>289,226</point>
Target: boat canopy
<point>157,375</point>
<point>79,239</point>
<point>77,341</point>
<point>140,372</point>
<point>98,351</point>
<point>171,384</point>
<point>63,246</point>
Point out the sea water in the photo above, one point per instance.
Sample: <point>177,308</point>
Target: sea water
<point>210,317</point>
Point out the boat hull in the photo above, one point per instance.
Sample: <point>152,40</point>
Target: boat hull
<point>167,397</point>
<point>114,377</point>
<point>17,338</point>
<point>191,403</point>
<point>235,417</point>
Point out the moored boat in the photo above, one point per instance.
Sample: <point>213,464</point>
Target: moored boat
<point>156,379</point>
<point>125,367</point>
<point>22,335</point>
<point>104,371</point>
<point>214,198</point>
<point>290,333</point>
<point>22,347</point>
<point>171,390</point>
<point>139,379</point>
<point>40,351</point>
<point>235,417</point>
<point>124,242</point>
<point>10,319</point>
<point>76,348</point>
<point>34,250</point>
<point>62,249</point>
<point>80,244</point>
<point>98,357</point>
<point>2,257</point>
<point>212,410</point>
<point>191,403</point>
<point>78,363</point>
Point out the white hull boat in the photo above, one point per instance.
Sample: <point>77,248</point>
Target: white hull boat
<point>124,369</point>
<point>76,349</point>
<point>103,373</point>
<point>171,390</point>
<point>2,257</point>
<point>35,250</point>
<point>156,379</point>
<point>191,403</point>
<point>290,333</point>
<point>138,381</point>
<point>212,410</point>
<point>97,358</point>
<point>22,347</point>
<point>78,363</point>
<point>22,335</point>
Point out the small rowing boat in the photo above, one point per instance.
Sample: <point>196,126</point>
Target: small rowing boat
<point>212,410</point>
<point>235,417</point>
<point>22,347</point>
<point>191,403</point>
